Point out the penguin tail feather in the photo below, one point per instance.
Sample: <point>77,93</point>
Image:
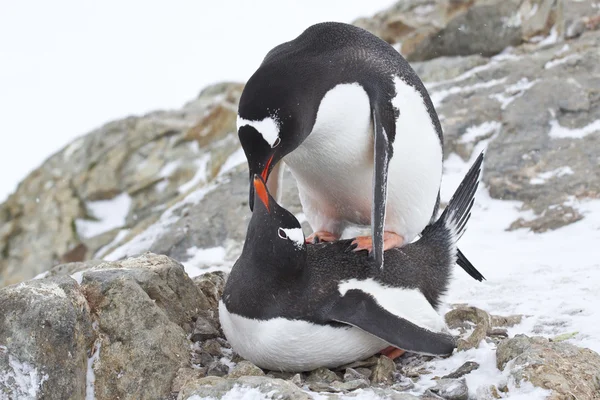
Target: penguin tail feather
<point>452,223</point>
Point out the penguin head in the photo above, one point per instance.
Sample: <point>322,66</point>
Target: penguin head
<point>270,124</point>
<point>274,235</point>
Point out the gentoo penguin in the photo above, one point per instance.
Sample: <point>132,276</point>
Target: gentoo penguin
<point>292,306</point>
<point>356,127</point>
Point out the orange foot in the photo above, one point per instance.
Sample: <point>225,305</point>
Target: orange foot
<point>392,352</point>
<point>321,236</point>
<point>390,240</point>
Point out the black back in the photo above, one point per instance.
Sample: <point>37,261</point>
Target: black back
<point>296,75</point>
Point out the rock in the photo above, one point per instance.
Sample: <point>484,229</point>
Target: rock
<point>215,387</point>
<point>213,347</point>
<point>369,362</point>
<point>211,285</point>
<point>463,370</point>
<point>202,358</point>
<point>569,371</point>
<point>321,375</point>
<point>351,374</point>
<point>45,335</point>
<point>461,317</point>
<point>135,166</point>
<point>186,374</point>
<point>245,368</point>
<point>217,368</point>
<point>139,304</point>
<point>451,389</point>
<point>348,386</point>
<point>206,326</point>
<point>383,372</point>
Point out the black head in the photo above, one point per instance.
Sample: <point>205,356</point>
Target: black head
<point>271,120</point>
<point>274,235</point>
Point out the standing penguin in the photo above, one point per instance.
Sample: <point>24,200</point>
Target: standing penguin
<point>356,127</point>
<point>294,307</point>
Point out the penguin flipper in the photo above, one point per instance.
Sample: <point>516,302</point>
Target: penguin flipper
<point>381,160</point>
<point>360,310</point>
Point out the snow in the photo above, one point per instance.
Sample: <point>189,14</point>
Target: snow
<point>144,240</point>
<point>478,131</point>
<point>22,379</point>
<point>543,177</point>
<point>558,61</point>
<point>560,132</point>
<point>78,276</point>
<point>205,260</point>
<point>120,236</point>
<point>437,97</point>
<point>238,157</point>
<point>200,175</point>
<point>57,85</point>
<point>109,214</point>
<point>90,376</point>
<point>513,91</point>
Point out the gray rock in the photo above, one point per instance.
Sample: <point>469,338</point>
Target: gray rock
<point>369,362</point>
<point>569,371</point>
<point>322,375</point>
<point>351,374</point>
<point>211,285</point>
<point>186,374</point>
<point>349,386</point>
<point>463,370</point>
<point>217,368</point>
<point>45,335</point>
<point>484,29</point>
<point>206,326</point>
<point>141,161</point>
<point>213,347</point>
<point>216,387</point>
<point>383,372</point>
<point>138,304</point>
<point>245,368</point>
<point>451,389</point>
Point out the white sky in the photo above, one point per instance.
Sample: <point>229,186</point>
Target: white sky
<point>68,66</point>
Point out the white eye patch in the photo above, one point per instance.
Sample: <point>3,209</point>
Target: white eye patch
<point>294,234</point>
<point>268,128</point>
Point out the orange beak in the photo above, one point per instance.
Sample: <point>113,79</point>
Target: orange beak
<point>261,189</point>
<point>266,170</point>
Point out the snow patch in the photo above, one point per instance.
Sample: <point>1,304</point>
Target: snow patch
<point>558,61</point>
<point>120,236</point>
<point>202,261</point>
<point>109,214</point>
<point>238,157</point>
<point>438,97</point>
<point>560,132</point>
<point>477,131</point>
<point>22,379</point>
<point>543,177</point>
<point>90,376</point>
<point>513,91</point>
<point>41,276</point>
<point>200,175</point>
<point>143,241</point>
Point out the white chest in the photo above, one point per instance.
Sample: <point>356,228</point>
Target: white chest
<point>334,165</point>
<point>282,344</point>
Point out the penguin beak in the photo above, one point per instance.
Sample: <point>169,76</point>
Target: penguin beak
<point>264,175</point>
<point>260,191</point>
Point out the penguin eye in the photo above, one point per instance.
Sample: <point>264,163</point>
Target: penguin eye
<point>276,143</point>
<point>282,233</point>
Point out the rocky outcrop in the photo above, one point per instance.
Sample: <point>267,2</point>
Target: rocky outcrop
<point>569,371</point>
<point>426,29</point>
<point>175,182</point>
<point>117,330</point>
<point>129,330</point>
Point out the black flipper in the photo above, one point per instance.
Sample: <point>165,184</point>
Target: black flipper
<point>360,309</point>
<point>381,160</point>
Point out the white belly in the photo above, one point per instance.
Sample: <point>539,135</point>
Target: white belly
<point>334,165</point>
<point>284,345</point>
